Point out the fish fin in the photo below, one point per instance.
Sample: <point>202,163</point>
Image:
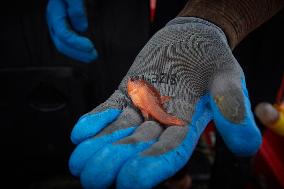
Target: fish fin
<point>145,114</point>
<point>165,99</point>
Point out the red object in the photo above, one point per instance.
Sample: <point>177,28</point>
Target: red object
<point>153,4</point>
<point>280,94</point>
<point>269,162</point>
<point>209,134</point>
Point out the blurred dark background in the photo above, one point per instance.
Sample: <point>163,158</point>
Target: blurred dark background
<point>43,93</point>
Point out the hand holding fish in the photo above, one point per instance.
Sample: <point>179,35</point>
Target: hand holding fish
<point>183,78</point>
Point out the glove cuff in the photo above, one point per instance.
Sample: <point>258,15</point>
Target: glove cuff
<point>195,20</point>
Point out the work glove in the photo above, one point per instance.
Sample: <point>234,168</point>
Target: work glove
<point>190,61</point>
<point>67,41</point>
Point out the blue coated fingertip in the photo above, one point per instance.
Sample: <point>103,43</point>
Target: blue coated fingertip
<point>75,41</point>
<point>101,170</point>
<point>144,172</point>
<point>242,139</point>
<point>94,53</point>
<point>83,56</point>
<point>90,124</point>
<point>86,57</point>
<point>87,148</point>
<point>71,39</point>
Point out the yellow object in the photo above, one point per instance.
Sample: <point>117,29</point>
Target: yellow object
<point>278,126</point>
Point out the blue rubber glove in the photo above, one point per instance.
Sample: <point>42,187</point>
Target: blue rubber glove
<point>190,60</point>
<point>67,41</point>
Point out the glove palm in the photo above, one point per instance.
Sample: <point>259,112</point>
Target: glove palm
<point>189,60</point>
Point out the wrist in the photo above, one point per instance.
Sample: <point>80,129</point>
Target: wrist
<point>236,18</point>
<point>201,27</point>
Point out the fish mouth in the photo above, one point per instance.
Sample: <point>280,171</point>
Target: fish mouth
<point>130,81</point>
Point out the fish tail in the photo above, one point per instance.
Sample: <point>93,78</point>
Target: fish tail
<point>172,120</point>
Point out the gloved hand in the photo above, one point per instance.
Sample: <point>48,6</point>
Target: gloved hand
<point>67,41</point>
<point>190,60</point>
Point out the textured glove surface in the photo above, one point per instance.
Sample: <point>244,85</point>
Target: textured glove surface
<point>68,42</point>
<point>189,59</point>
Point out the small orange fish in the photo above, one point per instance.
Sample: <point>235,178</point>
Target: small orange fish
<point>145,97</point>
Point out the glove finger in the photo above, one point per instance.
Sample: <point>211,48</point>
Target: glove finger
<point>90,125</point>
<point>232,113</point>
<point>58,26</point>
<point>123,126</point>
<point>93,122</point>
<point>74,53</point>
<point>164,158</point>
<point>77,14</point>
<point>102,168</point>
